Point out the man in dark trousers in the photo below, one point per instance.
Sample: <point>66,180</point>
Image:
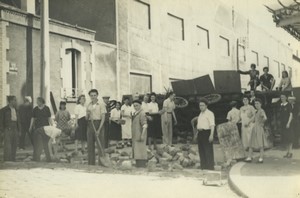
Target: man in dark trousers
<point>9,125</point>
<point>25,114</point>
<point>204,132</point>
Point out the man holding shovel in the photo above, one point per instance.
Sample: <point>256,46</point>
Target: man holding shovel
<point>96,116</point>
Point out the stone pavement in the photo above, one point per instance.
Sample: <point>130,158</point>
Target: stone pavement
<point>276,177</point>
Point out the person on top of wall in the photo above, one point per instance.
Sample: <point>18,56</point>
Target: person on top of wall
<point>254,76</point>
<point>285,83</point>
<point>41,116</point>
<point>106,123</point>
<point>96,117</point>
<point>25,112</point>
<point>80,123</point>
<point>9,125</point>
<point>167,118</point>
<point>267,80</point>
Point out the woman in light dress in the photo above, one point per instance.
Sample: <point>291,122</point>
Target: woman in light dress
<point>80,124</point>
<point>247,116</point>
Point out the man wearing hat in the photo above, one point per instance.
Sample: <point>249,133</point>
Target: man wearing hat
<point>295,121</point>
<point>106,123</point>
<point>25,112</point>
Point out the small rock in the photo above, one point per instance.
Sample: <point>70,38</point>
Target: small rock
<point>126,165</point>
<point>173,151</point>
<point>64,161</point>
<point>122,158</point>
<point>114,157</point>
<point>185,163</point>
<point>193,151</point>
<point>185,147</point>
<point>167,156</point>
<point>177,166</point>
<point>124,153</point>
<point>109,150</point>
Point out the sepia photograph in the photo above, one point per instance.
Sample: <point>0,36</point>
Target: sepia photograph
<point>150,98</point>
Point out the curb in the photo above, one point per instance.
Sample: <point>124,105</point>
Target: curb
<point>235,170</point>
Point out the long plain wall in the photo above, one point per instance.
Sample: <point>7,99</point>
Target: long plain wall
<point>154,52</point>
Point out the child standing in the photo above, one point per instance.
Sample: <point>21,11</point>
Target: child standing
<point>258,139</point>
<point>62,118</point>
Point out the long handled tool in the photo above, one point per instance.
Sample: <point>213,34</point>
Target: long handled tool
<point>103,159</point>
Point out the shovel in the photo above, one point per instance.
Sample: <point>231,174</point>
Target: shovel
<point>103,159</point>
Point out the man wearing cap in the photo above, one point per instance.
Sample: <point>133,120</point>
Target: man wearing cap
<point>9,125</point>
<point>25,112</point>
<point>267,80</point>
<point>106,123</point>
<point>204,134</point>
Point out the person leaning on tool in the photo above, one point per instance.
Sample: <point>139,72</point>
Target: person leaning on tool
<point>204,134</point>
<point>96,116</point>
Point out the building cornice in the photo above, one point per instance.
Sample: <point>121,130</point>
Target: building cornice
<point>19,17</point>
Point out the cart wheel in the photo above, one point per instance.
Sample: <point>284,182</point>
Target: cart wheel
<point>180,102</point>
<point>213,98</point>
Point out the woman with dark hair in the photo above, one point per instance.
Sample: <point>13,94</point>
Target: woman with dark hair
<point>167,118</point>
<point>41,116</point>
<point>80,123</point>
<point>258,139</point>
<point>62,118</point>
<point>154,123</point>
<point>286,117</point>
<point>247,117</point>
<point>115,130</point>
<point>285,83</point>
<point>254,76</point>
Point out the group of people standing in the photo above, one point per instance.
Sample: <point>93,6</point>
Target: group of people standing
<point>251,118</point>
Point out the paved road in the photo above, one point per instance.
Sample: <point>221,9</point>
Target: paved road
<point>42,183</point>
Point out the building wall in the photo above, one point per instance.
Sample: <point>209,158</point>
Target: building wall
<point>159,52</point>
<point>98,15</point>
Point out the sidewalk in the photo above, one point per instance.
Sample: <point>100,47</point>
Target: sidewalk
<point>276,177</point>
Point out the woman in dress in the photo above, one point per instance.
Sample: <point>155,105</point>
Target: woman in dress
<point>115,130</point>
<point>258,138</point>
<point>285,118</point>
<point>295,120</point>
<point>80,123</point>
<point>139,135</point>
<point>126,112</point>
<point>247,117</point>
<point>285,83</point>
<point>154,123</point>
<point>62,118</point>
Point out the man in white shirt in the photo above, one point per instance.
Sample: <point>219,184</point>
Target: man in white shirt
<point>204,133</point>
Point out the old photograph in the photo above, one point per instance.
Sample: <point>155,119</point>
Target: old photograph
<point>149,98</point>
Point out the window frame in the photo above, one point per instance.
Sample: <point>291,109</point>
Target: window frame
<point>257,57</point>
<point>182,24</point>
<point>207,35</point>
<point>142,74</point>
<point>228,44</point>
<point>149,12</point>
<point>268,62</point>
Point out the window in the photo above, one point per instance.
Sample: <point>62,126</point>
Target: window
<point>278,67</point>
<point>224,46</point>
<point>282,67</point>
<point>203,37</point>
<point>176,27</point>
<point>266,61</point>
<point>70,74</point>
<point>140,83</point>
<point>141,15</point>
<point>242,53</point>
<point>254,57</point>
